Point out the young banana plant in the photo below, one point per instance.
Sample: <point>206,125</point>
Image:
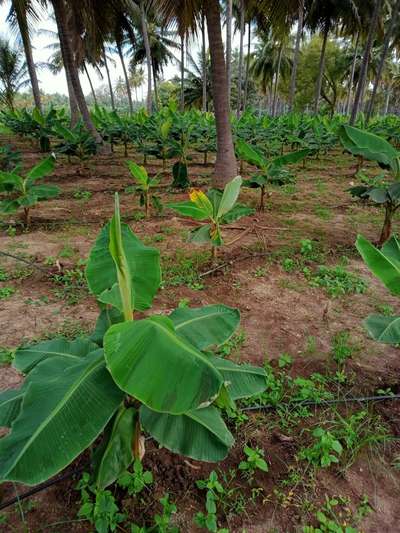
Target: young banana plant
<point>144,185</point>
<point>21,191</point>
<point>216,207</point>
<point>156,375</point>
<point>270,171</point>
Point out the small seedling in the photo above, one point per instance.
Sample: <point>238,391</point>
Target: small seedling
<point>134,482</point>
<point>253,462</point>
<point>324,451</point>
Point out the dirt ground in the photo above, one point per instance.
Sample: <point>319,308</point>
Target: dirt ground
<point>280,314</point>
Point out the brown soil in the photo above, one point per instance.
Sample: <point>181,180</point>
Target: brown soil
<point>280,313</point>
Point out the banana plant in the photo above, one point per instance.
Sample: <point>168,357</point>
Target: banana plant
<point>387,192</point>
<point>144,185</point>
<point>217,207</point>
<point>75,142</point>
<point>155,375</point>
<point>385,265</point>
<point>9,158</point>
<point>21,192</point>
<point>270,171</point>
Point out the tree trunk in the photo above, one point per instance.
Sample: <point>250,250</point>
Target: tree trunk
<point>277,75</point>
<point>155,85</point>
<point>110,87</point>
<point>296,55</point>
<point>225,165</point>
<point>204,61</point>
<point>182,98</point>
<point>387,100</point>
<point>240,73</point>
<point>146,43</point>
<point>385,50</point>
<point>353,69</point>
<point>229,47</point>
<point>365,61</point>
<point>20,11</point>
<point>69,65</point>
<point>73,104</point>
<point>387,225</point>
<point>321,69</point>
<point>246,81</point>
<point>128,87</point>
<point>90,82</point>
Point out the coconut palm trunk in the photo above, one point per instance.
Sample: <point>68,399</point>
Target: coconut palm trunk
<point>229,8</point>
<point>182,96</point>
<point>365,61</point>
<point>384,54</point>
<point>204,62</point>
<point>353,69</point>
<point>240,73</point>
<point>126,77</point>
<point>155,84</point>
<point>146,43</point>
<point>225,165</point>
<point>90,82</point>
<point>110,87</point>
<point>247,75</point>
<point>70,66</point>
<point>296,55</point>
<point>321,69</point>
<point>20,11</point>
<point>277,76</point>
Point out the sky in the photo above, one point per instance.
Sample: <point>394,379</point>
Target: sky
<point>51,83</point>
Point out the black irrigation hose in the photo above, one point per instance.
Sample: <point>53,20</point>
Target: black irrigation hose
<point>41,487</point>
<point>320,403</point>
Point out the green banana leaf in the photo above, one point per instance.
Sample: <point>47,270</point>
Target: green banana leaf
<point>229,196</point>
<point>243,381</point>
<point>115,454</point>
<point>152,363</point>
<point>10,405</point>
<point>144,266</point>
<point>207,326</point>
<point>250,155</point>
<point>200,434</point>
<point>64,409</point>
<point>384,329</point>
<point>384,263</point>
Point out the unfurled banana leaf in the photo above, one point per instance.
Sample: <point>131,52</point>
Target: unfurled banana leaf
<point>27,358</point>
<point>151,362</point>
<point>64,409</point>
<point>200,434</point>
<point>106,319</point>
<point>384,329</point>
<point>208,326</point>
<point>384,263</point>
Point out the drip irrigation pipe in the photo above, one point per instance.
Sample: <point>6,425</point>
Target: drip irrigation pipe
<point>51,482</point>
<point>321,403</point>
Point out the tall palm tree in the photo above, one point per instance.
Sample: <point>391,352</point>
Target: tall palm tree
<point>296,55</point>
<point>13,72</point>
<point>21,14</point>
<point>228,22</point>
<point>365,61</point>
<point>323,15</point>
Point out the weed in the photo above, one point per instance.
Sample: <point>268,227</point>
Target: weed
<point>233,345</point>
<point>337,281</point>
<point>6,355</point>
<point>311,345</point>
<point>82,195</point>
<point>6,292</point>
<point>73,285</point>
<point>385,309</point>
<point>184,302</point>
<point>323,213</point>
<point>342,349</point>
<point>208,520</point>
<point>181,269</point>
<point>254,461</point>
<point>285,360</point>
<point>66,252</point>
<point>134,482</point>
<point>324,451</point>
<point>289,265</point>
<point>260,272</point>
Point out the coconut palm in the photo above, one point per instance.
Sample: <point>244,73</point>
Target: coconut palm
<point>21,16</point>
<point>13,72</point>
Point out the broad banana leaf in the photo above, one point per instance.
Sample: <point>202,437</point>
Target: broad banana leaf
<point>370,146</point>
<point>229,196</point>
<point>115,454</point>
<point>105,320</point>
<point>384,263</point>
<point>152,363</point>
<point>200,434</point>
<point>144,265</point>
<point>289,159</point>
<point>27,358</point>
<point>189,209</point>
<point>208,326</point>
<point>243,381</point>
<point>384,329</point>
<point>64,409</point>
<point>250,155</point>
<point>10,405</point>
